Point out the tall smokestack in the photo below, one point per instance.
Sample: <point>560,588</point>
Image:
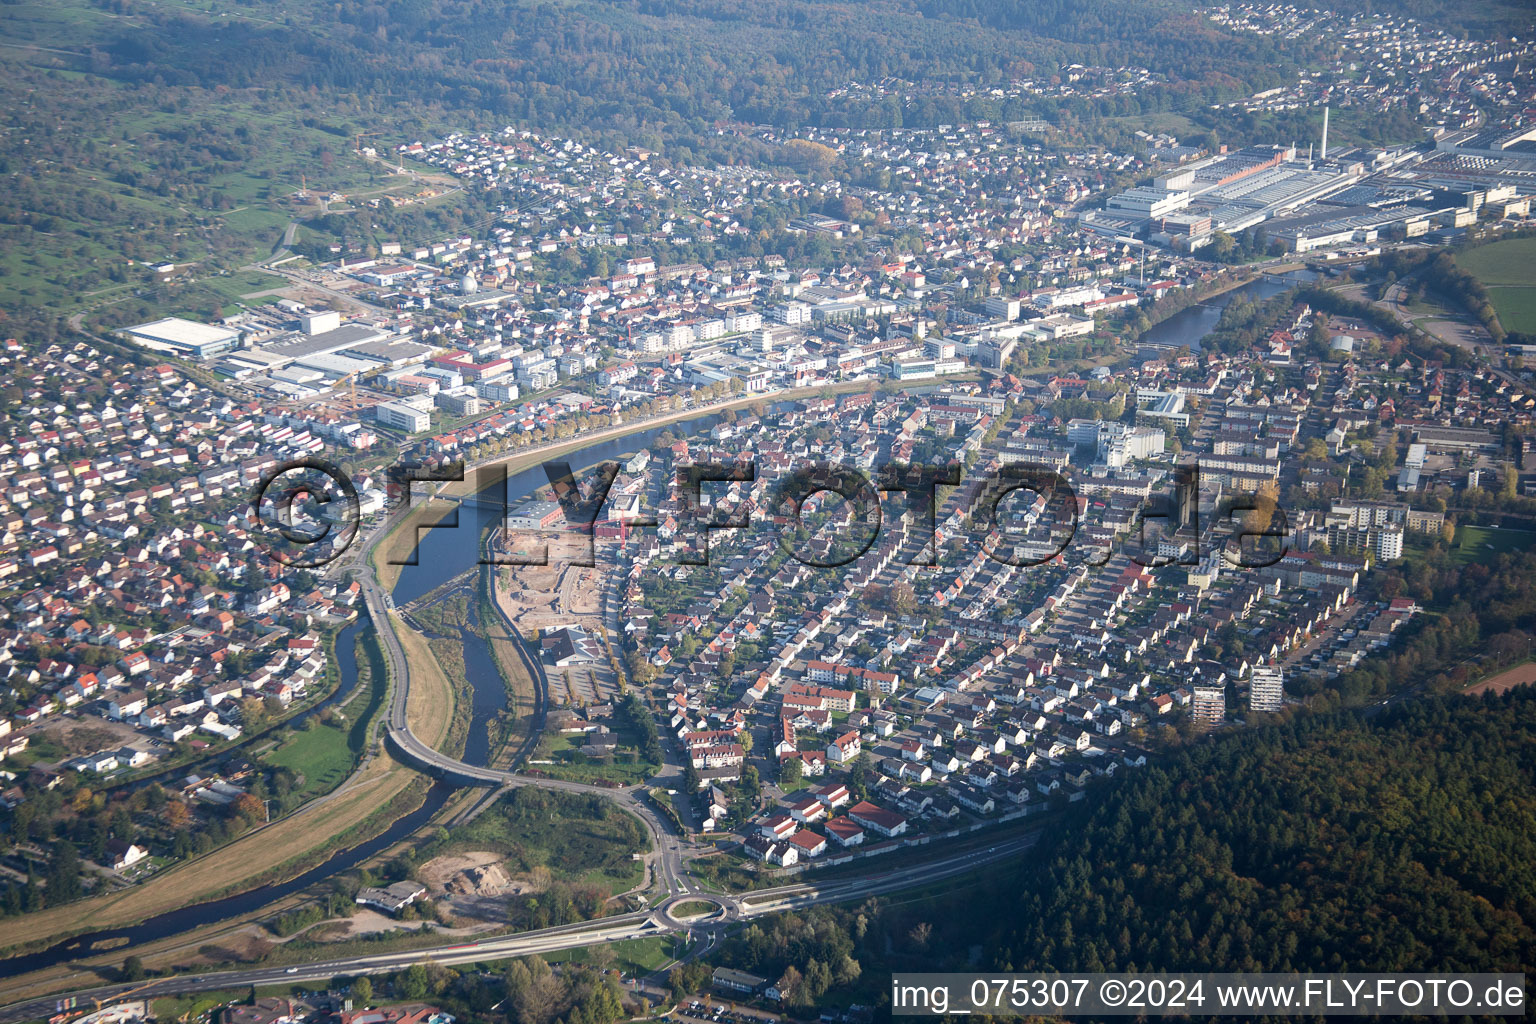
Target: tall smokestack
<point>1325,134</point>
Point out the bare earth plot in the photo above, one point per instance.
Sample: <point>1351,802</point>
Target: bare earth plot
<point>540,597</point>
<point>1520,675</point>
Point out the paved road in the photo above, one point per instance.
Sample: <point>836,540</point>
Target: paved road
<point>655,921</point>
<point>666,860</point>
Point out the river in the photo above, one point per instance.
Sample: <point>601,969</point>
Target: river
<point>442,554</point>
<point>1189,326</point>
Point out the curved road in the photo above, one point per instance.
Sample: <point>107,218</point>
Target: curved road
<point>655,921</point>
<point>665,861</point>
<point>666,857</point>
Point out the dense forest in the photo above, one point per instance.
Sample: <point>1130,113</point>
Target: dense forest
<point>691,63</point>
<point>1402,842</point>
<point>1398,839</point>
<point>636,65</point>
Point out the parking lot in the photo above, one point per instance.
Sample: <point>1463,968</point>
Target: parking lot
<point>700,1012</point>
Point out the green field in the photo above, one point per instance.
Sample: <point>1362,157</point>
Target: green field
<point>580,839</point>
<point>693,908</point>
<point>1509,263</point>
<point>1508,270</point>
<point>574,766</point>
<point>1483,544</point>
<point>324,755</point>
<point>320,756</point>
<point>120,176</point>
<point>595,772</point>
<point>237,285</point>
<point>632,956</point>
<point>726,873</point>
<point>1516,308</point>
<point>195,1004</point>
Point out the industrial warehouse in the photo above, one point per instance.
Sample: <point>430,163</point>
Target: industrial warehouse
<point>1313,200</point>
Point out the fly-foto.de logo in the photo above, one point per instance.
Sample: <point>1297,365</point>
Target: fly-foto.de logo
<point>825,515</point>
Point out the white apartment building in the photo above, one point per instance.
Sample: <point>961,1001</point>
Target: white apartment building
<point>402,417</point>
<point>1266,689</point>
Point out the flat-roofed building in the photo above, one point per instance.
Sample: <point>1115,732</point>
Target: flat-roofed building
<point>392,898</point>
<point>536,515</point>
<point>1146,201</point>
<point>1266,689</point>
<point>1458,439</point>
<point>1166,406</point>
<point>183,337</point>
<point>402,417</point>
<point>1209,706</point>
<point>737,981</point>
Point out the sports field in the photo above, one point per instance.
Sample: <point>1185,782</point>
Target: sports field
<point>1516,308</point>
<point>1520,675</point>
<point>1482,544</point>
<point>1508,271</point>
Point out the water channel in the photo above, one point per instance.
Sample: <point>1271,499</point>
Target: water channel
<point>1189,326</point>
<point>446,552</point>
<point>442,554</point>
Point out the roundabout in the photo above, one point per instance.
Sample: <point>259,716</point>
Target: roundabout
<point>695,908</point>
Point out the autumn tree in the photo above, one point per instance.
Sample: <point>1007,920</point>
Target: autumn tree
<point>533,992</point>
<point>248,808</point>
<point>176,815</point>
<point>791,986</point>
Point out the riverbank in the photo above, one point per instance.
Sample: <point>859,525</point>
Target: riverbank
<point>390,554</point>
<point>430,707</point>
<point>523,459</point>
<point>516,732</point>
<point>343,812</point>
<point>381,793</point>
<point>277,729</point>
<point>1171,306</point>
<point>223,941</point>
<point>263,855</point>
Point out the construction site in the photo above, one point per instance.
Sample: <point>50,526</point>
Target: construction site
<point>556,602</point>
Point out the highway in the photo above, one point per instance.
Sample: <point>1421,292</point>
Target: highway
<point>666,858</point>
<point>665,862</point>
<point>655,921</point>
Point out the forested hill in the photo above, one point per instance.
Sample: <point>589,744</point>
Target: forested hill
<point>640,65</point>
<point>1402,842</point>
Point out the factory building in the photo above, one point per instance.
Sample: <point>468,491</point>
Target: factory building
<point>186,338</point>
